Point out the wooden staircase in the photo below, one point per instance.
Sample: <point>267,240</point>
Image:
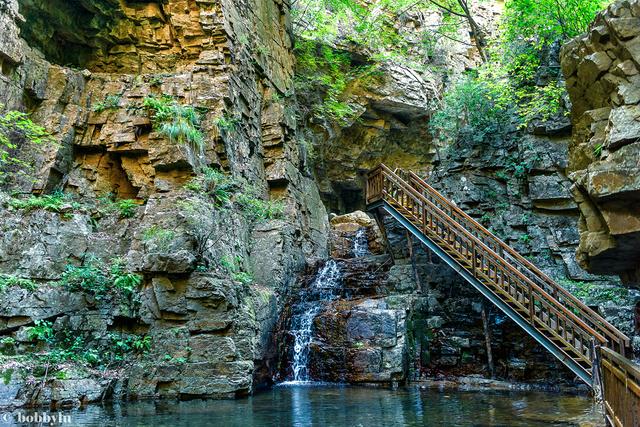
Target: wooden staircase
<point>554,317</point>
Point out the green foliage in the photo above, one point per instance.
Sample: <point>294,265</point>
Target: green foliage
<point>322,69</point>
<point>215,183</point>
<point>545,21</point>
<point>67,345</point>
<point>226,123</point>
<point>7,374</point>
<point>243,277</point>
<point>597,150</point>
<point>99,280</point>
<point>8,281</point>
<point>223,188</point>
<point>90,278</point>
<point>7,341</point>
<point>528,30</point>
<point>127,207</point>
<point>257,209</point>
<point>160,237</point>
<point>125,282</point>
<point>111,102</point>
<point>16,126</point>
<point>540,102</point>
<point>51,202</point>
<point>472,110</point>
<point>233,265</point>
<point>41,332</point>
<point>325,74</point>
<point>592,293</point>
<point>371,26</point>
<point>486,218</point>
<point>122,345</point>
<point>179,123</point>
<point>525,238</point>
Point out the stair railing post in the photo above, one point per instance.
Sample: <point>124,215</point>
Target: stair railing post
<point>596,376</point>
<point>532,310</point>
<point>473,263</point>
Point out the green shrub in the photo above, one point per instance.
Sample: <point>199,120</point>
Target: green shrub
<point>545,21</point>
<point>179,123</point>
<point>127,207</point>
<point>111,102</point>
<point>320,69</point>
<point>8,281</point>
<point>243,277</point>
<point>125,282</point>
<point>95,278</point>
<point>226,124</point>
<point>234,267</point>
<point>51,202</point>
<point>123,345</point>
<point>256,209</point>
<point>90,278</point>
<point>67,345</point>
<point>216,184</point>
<point>162,238</point>
<point>42,331</point>
<point>525,238</point>
<point>472,110</point>
<point>15,126</point>
<point>592,293</point>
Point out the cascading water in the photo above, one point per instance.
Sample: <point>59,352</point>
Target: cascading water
<point>360,243</point>
<point>324,288</point>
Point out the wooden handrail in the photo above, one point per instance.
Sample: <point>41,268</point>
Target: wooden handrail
<point>621,389</point>
<point>590,314</point>
<point>481,244</point>
<point>531,294</point>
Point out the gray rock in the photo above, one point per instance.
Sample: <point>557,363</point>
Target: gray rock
<point>624,126</point>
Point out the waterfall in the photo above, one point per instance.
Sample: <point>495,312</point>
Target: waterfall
<point>361,243</point>
<point>324,288</point>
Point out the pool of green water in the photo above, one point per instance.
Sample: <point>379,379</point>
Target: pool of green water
<point>331,405</point>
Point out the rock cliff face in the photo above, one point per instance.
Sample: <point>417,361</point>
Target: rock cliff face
<point>84,68</point>
<point>210,330</point>
<point>603,81</point>
<point>393,108</point>
<point>521,187</point>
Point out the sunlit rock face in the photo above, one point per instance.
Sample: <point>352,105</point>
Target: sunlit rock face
<point>82,69</point>
<point>391,116</point>
<point>603,79</point>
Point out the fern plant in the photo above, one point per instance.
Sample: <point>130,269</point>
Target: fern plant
<point>179,123</point>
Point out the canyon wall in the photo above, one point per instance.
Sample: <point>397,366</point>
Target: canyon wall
<point>601,69</point>
<point>84,69</point>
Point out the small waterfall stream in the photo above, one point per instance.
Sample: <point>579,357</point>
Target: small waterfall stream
<point>324,288</point>
<point>361,243</point>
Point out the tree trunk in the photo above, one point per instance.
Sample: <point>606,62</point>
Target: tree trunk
<point>487,339</point>
<point>416,275</point>
<point>476,30</point>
